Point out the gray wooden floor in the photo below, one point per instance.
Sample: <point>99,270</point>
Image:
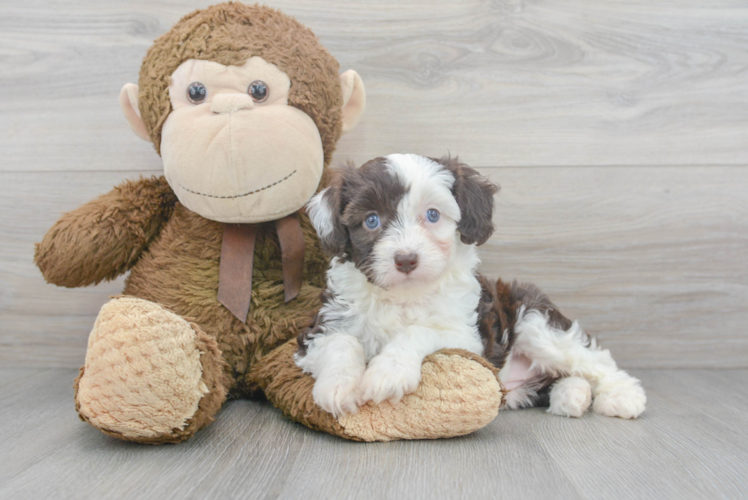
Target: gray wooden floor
<point>691,443</point>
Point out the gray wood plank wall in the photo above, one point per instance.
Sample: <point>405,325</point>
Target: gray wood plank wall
<point>618,131</point>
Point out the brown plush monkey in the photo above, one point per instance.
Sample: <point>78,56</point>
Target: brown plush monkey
<point>245,107</point>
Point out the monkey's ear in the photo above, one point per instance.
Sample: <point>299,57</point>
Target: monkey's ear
<point>474,195</point>
<point>128,101</point>
<point>354,99</point>
<point>325,211</point>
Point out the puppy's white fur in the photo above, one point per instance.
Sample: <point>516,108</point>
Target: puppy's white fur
<point>570,397</point>
<point>395,320</point>
<point>566,354</point>
<point>320,214</point>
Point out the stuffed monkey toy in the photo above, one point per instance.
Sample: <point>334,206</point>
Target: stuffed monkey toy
<point>244,107</point>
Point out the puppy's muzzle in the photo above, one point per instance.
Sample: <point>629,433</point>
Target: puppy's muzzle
<point>406,262</point>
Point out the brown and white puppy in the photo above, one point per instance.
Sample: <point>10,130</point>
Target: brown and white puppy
<point>403,284</point>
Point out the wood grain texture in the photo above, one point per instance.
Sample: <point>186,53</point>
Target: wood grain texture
<point>689,444</point>
<point>547,82</point>
<point>649,259</point>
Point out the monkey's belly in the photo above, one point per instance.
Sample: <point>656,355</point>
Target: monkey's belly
<point>179,271</point>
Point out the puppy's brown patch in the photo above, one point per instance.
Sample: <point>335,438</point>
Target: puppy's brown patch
<point>306,335</point>
<point>474,195</point>
<point>354,195</point>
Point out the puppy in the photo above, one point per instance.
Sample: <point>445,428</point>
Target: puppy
<point>402,284</point>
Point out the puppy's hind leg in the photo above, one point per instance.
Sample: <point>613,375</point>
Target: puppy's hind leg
<point>570,397</point>
<point>572,353</point>
<point>618,394</point>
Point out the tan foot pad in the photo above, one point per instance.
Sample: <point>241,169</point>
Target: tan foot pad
<point>143,377</point>
<point>459,394</point>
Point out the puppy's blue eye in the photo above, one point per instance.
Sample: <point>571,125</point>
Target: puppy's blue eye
<point>372,221</point>
<point>432,215</point>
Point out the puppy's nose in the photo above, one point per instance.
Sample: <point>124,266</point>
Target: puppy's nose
<point>406,262</point>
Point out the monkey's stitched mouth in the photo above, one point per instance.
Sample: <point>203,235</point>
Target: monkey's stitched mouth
<point>240,195</point>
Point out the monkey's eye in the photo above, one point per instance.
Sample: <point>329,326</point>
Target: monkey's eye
<point>196,92</point>
<point>258,91</point>
<point>372,221</point>
<point>432,215</point>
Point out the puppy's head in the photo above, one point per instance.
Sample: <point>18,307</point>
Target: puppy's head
<point>398,218</point>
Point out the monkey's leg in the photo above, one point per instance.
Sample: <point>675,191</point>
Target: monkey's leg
<point>459,393</point>
<point>150,376</point>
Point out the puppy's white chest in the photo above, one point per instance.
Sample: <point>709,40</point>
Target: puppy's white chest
<point>376,316</point>
<point>384,319</point>
<point>401,312</point>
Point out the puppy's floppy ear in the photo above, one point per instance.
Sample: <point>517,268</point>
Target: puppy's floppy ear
<point>474,195</point>
<point>325,210</point>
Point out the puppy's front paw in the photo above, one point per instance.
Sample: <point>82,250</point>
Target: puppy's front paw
<point>336,396</point>
<point>388,378</point>
<point>624,400</point>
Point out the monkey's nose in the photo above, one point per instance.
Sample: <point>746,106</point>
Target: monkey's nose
<point>406,262</point>
<point>228,103</point>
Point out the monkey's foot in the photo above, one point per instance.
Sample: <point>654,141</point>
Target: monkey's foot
<point>150,376</point>
<point>459,393</point>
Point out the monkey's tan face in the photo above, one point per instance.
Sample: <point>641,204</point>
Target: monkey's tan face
<point>233,149</point>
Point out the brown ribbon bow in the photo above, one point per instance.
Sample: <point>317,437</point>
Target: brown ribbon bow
<point>237,256</point>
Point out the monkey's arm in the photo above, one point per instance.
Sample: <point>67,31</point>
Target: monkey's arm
<point>105,237</point>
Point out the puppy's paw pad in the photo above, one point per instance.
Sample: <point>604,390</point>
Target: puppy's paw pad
<point>624,402</point>
<point>570,397</point>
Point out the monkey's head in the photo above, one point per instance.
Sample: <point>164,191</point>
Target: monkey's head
<point>244,106</point>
